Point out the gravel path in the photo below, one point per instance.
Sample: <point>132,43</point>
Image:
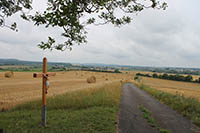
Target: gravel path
<point>131,120</point>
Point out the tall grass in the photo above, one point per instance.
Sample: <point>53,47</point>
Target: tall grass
<point>107,95</point>
<point>89,110</point>
<point>148,116</point>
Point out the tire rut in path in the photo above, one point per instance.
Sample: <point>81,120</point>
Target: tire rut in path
<point>131,120</point>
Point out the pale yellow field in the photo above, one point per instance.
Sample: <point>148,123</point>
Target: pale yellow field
<point>187,89</point>
<point>23,87</point>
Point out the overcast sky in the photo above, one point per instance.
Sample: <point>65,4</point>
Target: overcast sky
<point>154,38</point>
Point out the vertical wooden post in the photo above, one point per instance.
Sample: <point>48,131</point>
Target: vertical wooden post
<point>44,89</point>
<point>45,84</point>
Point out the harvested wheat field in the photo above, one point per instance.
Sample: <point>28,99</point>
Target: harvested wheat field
<point>187,89</point>
<point>23,87</point>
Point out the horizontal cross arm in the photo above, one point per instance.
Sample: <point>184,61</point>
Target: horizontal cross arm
<point>40,75</point>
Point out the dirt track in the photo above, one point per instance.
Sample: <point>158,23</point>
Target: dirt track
<point>130,118</point>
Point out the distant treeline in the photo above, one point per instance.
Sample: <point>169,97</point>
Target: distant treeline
<point>176,77</point>
<point>34,69</point>
<point>53,69</point>
<point>191,71</point>
<point>105,71</point>
<point>21,69</point>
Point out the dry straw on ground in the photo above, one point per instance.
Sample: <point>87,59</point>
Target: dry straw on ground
<point>1,76</point>
<point>91,79</point>
<point>187,89</point>
<point>24,87</point>
<point>9,74</point>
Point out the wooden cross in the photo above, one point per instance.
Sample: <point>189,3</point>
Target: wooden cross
<point>45,85</point>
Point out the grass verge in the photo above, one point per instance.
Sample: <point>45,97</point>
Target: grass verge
<point>188,107</point>
<point>147,115</point>
<point>89,110</point>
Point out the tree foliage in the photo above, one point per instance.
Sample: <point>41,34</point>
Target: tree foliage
<point>10,7</point>
<point>69,15</point>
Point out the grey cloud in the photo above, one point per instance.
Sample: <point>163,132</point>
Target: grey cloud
<point>155,38</point>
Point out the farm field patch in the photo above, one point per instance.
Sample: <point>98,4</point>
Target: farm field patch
<point>173,87</point>
<point>23,87</point>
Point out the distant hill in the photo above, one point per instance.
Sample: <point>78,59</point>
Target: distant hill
<point>22,62</point>
<point>105,65</point>
<point>80,66</point>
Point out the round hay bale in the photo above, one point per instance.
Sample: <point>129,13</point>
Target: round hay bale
<point>9,74</point>
<point>91,79</point>
<point>106,79</point>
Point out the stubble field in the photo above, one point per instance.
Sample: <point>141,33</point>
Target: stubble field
<point>173,87</point>
<point>183,88</point>
<point>23,87</point>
